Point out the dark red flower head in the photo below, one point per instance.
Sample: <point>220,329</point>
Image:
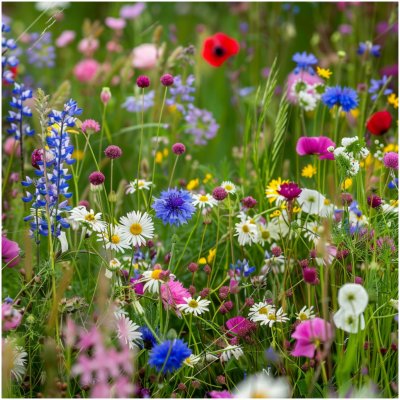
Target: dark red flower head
<point>218,48</point>
<point>379,123</point>
<point>289,191</point>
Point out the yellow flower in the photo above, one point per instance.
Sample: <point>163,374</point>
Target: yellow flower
<point>78,155</point>
<point>296,210</point>
<point>159,157</point>
<point>394,203</point>
<point>211,255</point>
<point>354,113</point>
<point>391,147</point>
<point>276,213</point>
<point>165,152</point>
<point>271,192</point>
<point>308,171</point>
<point>324,73</point>
<point>207,178</point>
<point>202,261</point>
<point>347,183</point>
<point>393,100</point>
<point>193,184</point>
<point>369,161</point>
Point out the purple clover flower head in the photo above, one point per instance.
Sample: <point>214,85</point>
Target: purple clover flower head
<point>9,58</point>
<point>391,160</point>
<point>181,93</point>
<point>137,104</point>
<point>167,80</point>
<point>201,124</point>
<point>113,152</point>
<point>169,355</point>
<point>143,81</point>
<point>337,96</point>
<point>20,95</point>
<point>377,85</point>
<point>41,51</point>
<point>174,207</point>
<point>304,62</point>
<point>369,48</point>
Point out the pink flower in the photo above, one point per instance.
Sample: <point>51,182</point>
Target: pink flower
<point>65,38</point>
<point>10,252</point>
<point>90,126</point>
<point>117,24</point>
<point>86,70</point>
<point>223,394</point>
<point>317,145</point>
<point>11,318</point>
<point>240,326</point>
<point>173,293</point>
<point>132,12</point>
<point>145,56</point>
<point>11,145</point>
<point>88,46</point>
<point>137,286</point>
<point>302,76</point>
<point>309,335</point>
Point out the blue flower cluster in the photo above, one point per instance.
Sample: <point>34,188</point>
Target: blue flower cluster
<point>377,85</point>
<point>18,126</point>
<point>174,206</point>
<point>243,268</point>
<point>342,97</point>
<point>201,124</point>
<point>8,59</point>
<point>139,103</point>
<point>304,62</point>
<point>52,182</point>
<point>169,355</point>
<point>41,52</point>
<point>369,48</point>
<point>181,93</point>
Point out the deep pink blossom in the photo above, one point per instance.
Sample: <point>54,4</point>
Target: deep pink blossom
<point>10,252</point>
<point>240,326</point>
<point>316,145</point>
<point>173,293</point>
<point>309,334</point>
<point>223,394</point>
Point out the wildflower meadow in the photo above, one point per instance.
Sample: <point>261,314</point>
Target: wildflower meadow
<point>199,199</point>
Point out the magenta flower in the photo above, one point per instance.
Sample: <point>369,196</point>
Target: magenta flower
<point>11,318</point>
<point>9,252</point>
<point>223,394</point>
<point>173,293</point>
<point>317,145</point>
<point>240,326</point>
<point>289,191</point>
<point>309,335</point>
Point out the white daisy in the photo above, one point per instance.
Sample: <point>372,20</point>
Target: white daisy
<point>192,360</point>
<point>267,233</point>
<point>305,313</point>
<point>112,239</point>
<point>128,331</point>
<point>194,306</point>
<point>136,228</point>
<point>114,265</point>
<point>204,200</point>
<point>18,369</point>
<point>259,311</point>
<point>311,201</point>
<point>89,219</point>
<point>246,231</point>
<point>353,298</point>
<point>231,351</point>
<point>274,316</point>
<point>153,280</point>
<point>313,230</point>
<point>137,184</point>
<point>262,386</point>
<point>229,186</point>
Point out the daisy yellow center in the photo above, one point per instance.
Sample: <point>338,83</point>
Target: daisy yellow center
<point>193,304</point>
<point>327,202</point>
<point>303,316</point>
<point>350,297</point>
<point>140,184</point>
<point>115,239</point>
<point>89,217</point>
<point>272,317</point>
<point>156,274</point>
<point>228,187</point>
<point>203,198</point>
<point>265,234</point>
<point>136,229</point>
<point>258,395</point>
<point>245,229</point>
<point>263,310</point>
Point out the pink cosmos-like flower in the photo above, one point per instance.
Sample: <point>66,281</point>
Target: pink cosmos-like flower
<point>11,145</point>
<point>309,334</point>
<point>65,38</point>
<point>240,326</point>
<point>317,145</point>
<point>116,24</point>
<point>302,76</point>
<point>132,12</point>
<point>86,70</point>
<point>11,318</point>
<point>173,293</point>
<point>88,46</point>
<point>10,252</point>
<point>145,56</point>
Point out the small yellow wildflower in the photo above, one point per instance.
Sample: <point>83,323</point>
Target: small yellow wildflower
<point>193,184</point>
<point>308,171</point>
<point>78,155</point>
<point>165,152</point>
<point>394,203</point>
<point>324,73</point>
<point>202,261</point>
<point>159,157</point>
<point>276,213</point>
<point>393,100</point>
<point>347,183</point>
<point>211,255</point>
<point>296,210</point>
<point>207,178</point>
<point>391,147</point>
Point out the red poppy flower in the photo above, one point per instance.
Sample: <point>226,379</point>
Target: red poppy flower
<point>379,123</point>
<point>14,71</point>
<point>218,48</point>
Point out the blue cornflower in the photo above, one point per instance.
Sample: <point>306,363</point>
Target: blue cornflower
<point>41,52</point>
<point>337,96</point>
<point>18,126</point>
<point>174,206</point>
<point>393,184</point>
<point>201,124</point>
<point>304,62</point>
<point>149,340</point>
<point>8,59</point>
<point>368,47</point>
<point>137,104</point>
<point>377,85</point>
<point>243,268</point>
<point>181,93</point>
<point>169,355</point>
<point>354,208</point>
<point>49,191</point>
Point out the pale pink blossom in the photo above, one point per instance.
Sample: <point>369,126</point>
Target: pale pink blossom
<point>86,70</point>
<point>145,56</point>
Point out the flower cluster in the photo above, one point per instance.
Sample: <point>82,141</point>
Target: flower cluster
<point>9,60</point>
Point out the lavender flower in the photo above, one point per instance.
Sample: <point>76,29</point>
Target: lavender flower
<point>304,62</point>
<point>377,85</point>
<point>369,48</point>
<point>41,52</point>
<point>139,104</point>
<point>9,61</point>
<point>181,93</point>
<point>201,124</point>
<point>48,192</point>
